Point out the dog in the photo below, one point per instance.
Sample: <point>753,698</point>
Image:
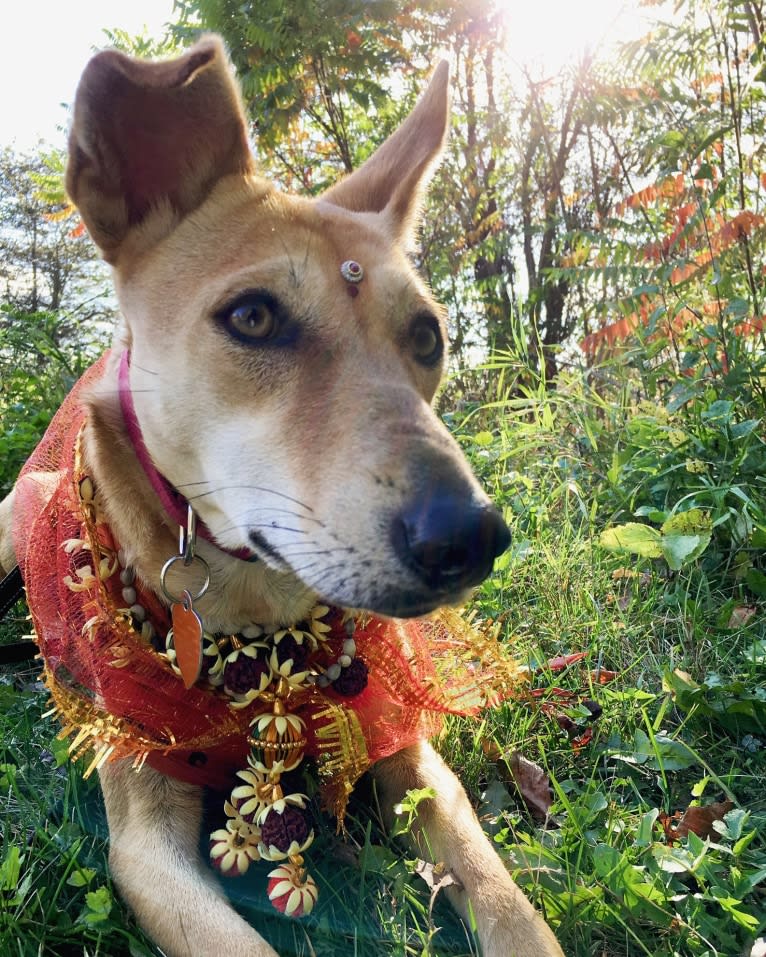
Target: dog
<point>270,392</point>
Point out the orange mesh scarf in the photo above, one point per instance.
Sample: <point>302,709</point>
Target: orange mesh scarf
<point>119,697</point>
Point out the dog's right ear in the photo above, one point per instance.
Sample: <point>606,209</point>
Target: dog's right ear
<point>152,138</point>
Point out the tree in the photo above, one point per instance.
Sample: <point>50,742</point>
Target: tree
<point>310,74</point>
<point>50,327</point>
<point>45,259</point>
<point>685,243</point>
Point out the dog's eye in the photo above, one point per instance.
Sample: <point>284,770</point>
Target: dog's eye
<point>426,338</point>
<point>254,318</point>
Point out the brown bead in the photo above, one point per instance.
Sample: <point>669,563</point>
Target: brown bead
<point>352,680</point>
<point>280,830</point>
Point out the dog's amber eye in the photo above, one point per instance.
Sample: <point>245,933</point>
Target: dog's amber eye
<point>254,318</point>
<point>426,338</point>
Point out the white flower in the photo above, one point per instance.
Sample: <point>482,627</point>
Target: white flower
<point>72,545</point>
<point>86,576</point>
<point>279,805</point>
<point>291,890</point>
<point>317,626</point>
<point>233,848</point>
<point>288,727</point>
<point>250,797</point>
<point>298,634</point>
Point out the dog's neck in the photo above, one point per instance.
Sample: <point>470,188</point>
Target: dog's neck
<point>240,592</point>
<point>172,501</point>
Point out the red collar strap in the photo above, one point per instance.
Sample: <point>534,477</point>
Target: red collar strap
<point>172,501</point>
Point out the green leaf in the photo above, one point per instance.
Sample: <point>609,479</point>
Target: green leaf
<point>627,882</point>
<point>740,846</point>
<point>98,906</point>
<point>699,788</point>
<point>673,860</point>
<point>680,394</point>
<point>741,429</point>
<point>652,513</point>
<point>692,522</point>
<point>10,869</point>
<point>669,754</point>
<point>638,539</point>
<point>81,877</point>
<point>680,550</point>
<point>645,833</point>
<point>718,413</point>
<point>732,907</point>
<point>733,824</point>
<point>756,582</point>
<point>685,536</point>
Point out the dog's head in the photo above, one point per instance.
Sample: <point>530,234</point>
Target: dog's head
<point>286,397</point>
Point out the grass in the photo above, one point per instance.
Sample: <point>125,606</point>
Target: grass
<point>683,722</point>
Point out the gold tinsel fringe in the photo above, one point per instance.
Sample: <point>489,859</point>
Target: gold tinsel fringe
<point>343,757</point>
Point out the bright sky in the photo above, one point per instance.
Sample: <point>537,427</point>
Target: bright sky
<point>47,43</point>
<point>545,35</point>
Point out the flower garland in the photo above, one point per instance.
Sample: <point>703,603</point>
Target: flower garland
<point>266,673</point>
<point>266,820</point>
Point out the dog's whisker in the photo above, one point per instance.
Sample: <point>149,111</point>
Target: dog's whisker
<point>109,393</point>
<point>250,488</point>
<point>278,528</point>
<point>286,511</point>
<point>302,569</point>
<point>247,526</point>
<point>135,365</point>
<point>296,278</point>
<point>258,517</point>
<point>311,553</point>
<point>320,549</point>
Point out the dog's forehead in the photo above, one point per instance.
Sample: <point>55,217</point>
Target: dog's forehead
<point>309,233</point>
<point>246,237</point>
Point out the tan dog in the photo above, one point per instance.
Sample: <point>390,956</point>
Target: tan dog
<point>294,401</point>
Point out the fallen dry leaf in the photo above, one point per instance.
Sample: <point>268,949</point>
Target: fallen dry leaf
<point>437,876</point>
<point>740,616</point>
<point>532,783</point>
<point>627,574</point>
<point>563,661</point>
<point>580,740</point>
<point>491,749</point>
<point>603,676</point>
<point>700,820</point>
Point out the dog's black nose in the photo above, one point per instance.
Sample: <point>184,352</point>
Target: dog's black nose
<point>450,543</point>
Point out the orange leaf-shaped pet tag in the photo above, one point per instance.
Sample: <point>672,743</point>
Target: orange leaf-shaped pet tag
<point>187,639</point>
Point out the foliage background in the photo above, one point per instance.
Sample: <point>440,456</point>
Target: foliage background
<point>598,238</point>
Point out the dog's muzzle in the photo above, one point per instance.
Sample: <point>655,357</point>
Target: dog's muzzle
<point>449,539</point>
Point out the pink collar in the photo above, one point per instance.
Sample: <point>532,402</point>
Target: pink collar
<point>174,504</point>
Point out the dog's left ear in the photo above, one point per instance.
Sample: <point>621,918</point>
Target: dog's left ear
<point>152,138</point>
<point>392,180</point>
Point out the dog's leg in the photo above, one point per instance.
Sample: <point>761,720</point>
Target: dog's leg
<point>154,825</point>
<point>7,556</point>
<point>447,831</point>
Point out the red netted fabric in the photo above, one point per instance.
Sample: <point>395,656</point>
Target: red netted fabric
<point>118,697</point>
